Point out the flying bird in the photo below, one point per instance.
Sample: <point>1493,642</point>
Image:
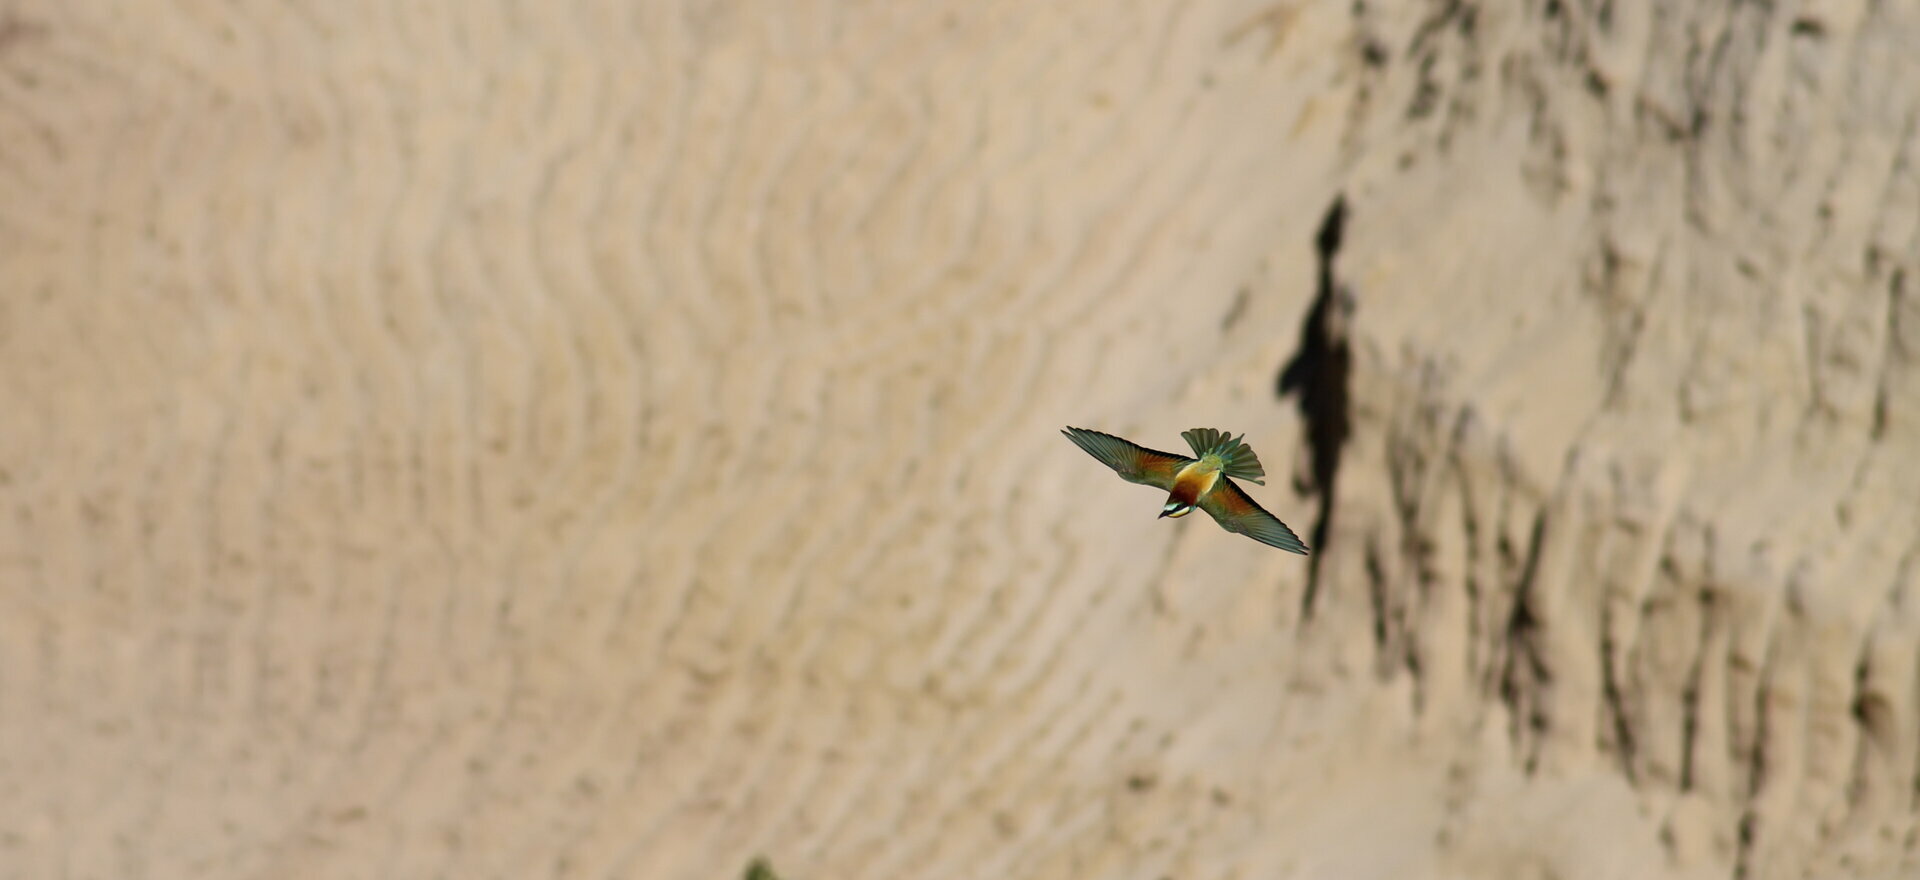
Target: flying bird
<point>1201,481</point>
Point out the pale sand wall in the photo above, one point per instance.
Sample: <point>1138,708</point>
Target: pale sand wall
<point>613,439</point>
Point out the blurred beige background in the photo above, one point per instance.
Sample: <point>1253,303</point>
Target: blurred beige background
<point>615,439</point>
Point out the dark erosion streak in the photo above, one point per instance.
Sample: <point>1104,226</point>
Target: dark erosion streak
<point>1319,372</point>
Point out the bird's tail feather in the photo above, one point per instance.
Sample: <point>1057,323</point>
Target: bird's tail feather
<point>1236,457</point>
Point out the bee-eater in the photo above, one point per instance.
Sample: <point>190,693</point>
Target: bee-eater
<point>1200,482</point>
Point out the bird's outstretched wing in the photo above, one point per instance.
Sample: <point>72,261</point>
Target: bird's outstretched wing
<point>1134,463</point>
<point>1235,512</point>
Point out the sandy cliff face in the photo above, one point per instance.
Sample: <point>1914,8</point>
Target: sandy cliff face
<point>617,439</point>
<point>1635,434</point>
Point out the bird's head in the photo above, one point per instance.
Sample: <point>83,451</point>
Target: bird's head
<point>1176,509</point>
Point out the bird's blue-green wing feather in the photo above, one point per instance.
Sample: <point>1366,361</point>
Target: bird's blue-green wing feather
<point>1133,462</point>
<point>1230,506</point>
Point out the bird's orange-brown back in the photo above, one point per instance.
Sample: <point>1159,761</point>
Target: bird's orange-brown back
<point>1194,481</point>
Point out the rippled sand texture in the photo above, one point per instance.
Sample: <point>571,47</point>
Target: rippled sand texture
<point>581,439</point>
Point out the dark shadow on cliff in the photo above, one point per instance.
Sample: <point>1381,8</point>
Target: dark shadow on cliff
<point>1318,373</point>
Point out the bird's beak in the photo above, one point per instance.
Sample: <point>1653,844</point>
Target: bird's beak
<point>1163,515</point>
